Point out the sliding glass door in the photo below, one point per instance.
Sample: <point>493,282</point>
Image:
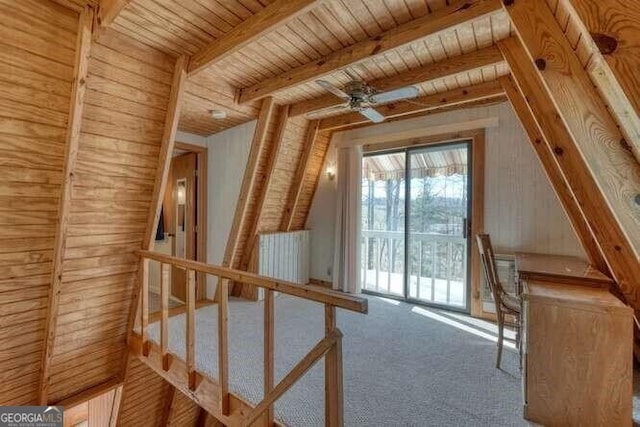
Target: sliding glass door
<point>383,224</point>
<point>437,225</point>
<point>416,247</point>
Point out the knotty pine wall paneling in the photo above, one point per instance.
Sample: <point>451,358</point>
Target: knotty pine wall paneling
<point>37,55</point>
<point>127,95</point>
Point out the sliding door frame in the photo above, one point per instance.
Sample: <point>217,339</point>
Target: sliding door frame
<point>476,143</point>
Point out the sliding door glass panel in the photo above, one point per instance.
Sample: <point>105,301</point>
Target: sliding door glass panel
<point>383,219</point>
<point>438,210</point>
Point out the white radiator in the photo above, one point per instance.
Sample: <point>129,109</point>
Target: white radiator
<point>285,256</point>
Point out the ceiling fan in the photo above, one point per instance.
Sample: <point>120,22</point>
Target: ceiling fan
<point>359,97</point>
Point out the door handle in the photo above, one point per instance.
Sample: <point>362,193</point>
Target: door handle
<point>466,228</point>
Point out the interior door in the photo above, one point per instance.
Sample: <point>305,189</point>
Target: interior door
<point>438,225</point>
<point>183,216</point>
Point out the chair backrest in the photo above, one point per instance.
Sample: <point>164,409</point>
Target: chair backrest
<point>490,269</point>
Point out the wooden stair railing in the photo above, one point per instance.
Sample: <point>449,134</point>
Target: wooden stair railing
<point>213,394</point>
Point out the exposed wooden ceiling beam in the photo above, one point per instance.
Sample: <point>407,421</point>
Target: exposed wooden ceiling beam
<point>448,67</point>
<point>436,101</point>
<point>276,14</point>
<point>612,28</point>
<point>109,11</point>
<point>249,183</point>
<point>603,175</point>
<point>78,90</point>
<point>458,13</point>
<point>167,144</point>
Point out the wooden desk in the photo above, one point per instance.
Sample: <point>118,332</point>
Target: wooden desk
<point>577,356</point>
<point>559,269</point>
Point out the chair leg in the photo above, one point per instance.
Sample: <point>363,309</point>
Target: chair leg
<point>500,338</point>
<point>519,342</point>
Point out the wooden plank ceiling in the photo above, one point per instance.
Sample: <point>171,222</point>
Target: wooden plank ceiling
<point>187,26</point>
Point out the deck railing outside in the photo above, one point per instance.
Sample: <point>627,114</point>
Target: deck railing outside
<point>437,265</point>
<point>329,347</point>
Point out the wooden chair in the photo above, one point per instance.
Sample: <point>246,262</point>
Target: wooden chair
<point>506,304</point>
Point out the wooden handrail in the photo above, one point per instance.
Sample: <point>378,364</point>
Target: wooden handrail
<point>330,347</point>
<point>307,362</point>
<point>310,292</point>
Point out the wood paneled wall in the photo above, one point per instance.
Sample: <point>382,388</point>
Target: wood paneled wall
<point>184,411</point>
<point>37,54</point>
<point>252,205</point>
<point>284,170</point>
<point>311,179</point>
<point>127,94</point>
<point>144,396</point>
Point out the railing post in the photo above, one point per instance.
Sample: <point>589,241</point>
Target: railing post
<point>269,347</point>
<point>333,372</point>
<point>144,304</point>
<point>164,321</point>
<point>191,326</point>
<point>223,344</point>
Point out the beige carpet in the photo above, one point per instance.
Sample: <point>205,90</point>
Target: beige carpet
<point>403,365</point>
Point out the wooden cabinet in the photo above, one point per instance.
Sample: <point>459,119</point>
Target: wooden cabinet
<point>577,356</point>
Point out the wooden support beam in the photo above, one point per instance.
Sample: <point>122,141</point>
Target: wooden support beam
<point>333,387</point>
<point>115,409</point>
<point>447,67</point>
<point>307,362</point>
<point>263,125</point>
<point>164,163</point>
<point>276,14</point>
<point>269,350</point>
<point>599,171</point>
<point>89,393</point>
<point>109,10</point>
<point>298,179</point>
<point>559,183</point>
<point>168,406</point>
<point>613,26</point>
<point>266,178</point>
<point>162,172</point>
<point>457,13</point>
<point>223,346</point>
<point>78,90</point>
<point>172,118</point>
<point>464,95</point>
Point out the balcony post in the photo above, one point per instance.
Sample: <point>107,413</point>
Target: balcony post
<point>333,373</point>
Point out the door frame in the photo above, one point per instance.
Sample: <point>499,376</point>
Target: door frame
<point>476,139</point>
<point>202,202</point>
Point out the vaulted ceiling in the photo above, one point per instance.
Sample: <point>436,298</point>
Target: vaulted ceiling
<point>324,27</point>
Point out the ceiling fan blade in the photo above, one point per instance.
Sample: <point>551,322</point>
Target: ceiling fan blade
<point>395,95</point>
<point>331,88</point>
<point>334,109</point>
<point>372,115</point>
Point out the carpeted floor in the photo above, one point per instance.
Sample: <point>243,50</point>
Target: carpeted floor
<point>403,365</point>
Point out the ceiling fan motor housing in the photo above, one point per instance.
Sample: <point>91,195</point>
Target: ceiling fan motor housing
<point>360,93</point>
